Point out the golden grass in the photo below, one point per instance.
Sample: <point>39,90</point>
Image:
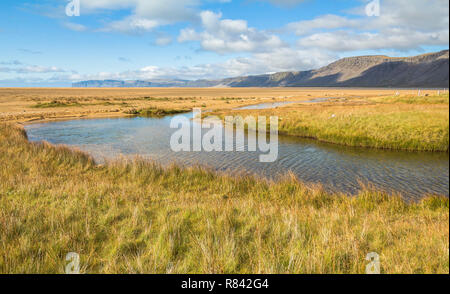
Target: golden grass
<point>401,122</point>
<point>155,112</point>
<point>136,217</point>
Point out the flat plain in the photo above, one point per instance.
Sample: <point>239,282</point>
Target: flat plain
<point>30,104</point>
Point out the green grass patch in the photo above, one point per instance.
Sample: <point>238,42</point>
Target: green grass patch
<point>155,112</point>
<point>56,104</point>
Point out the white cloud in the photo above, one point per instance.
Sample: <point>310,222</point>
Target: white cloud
<point>323,22</point>
<point>419,15</point>
<point>75,26</point>
<point>163,41</point>
<point>227,36</point>
<point>132,24</point>
<point>399,39</point>
<point>280,60</point>
<point>402,25</point>
<point>32,69</point>
<point>146,15</point>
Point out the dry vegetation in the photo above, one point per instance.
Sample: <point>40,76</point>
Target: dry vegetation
<point>403,122</point>
<point>24,105</point>
<point>136,217</point>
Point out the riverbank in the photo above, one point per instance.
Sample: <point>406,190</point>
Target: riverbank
<point>137,217</point>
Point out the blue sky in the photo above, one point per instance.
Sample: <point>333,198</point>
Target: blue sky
<point>205,39</point>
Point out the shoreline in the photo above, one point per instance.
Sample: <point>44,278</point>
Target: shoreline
<point>280,178</point>
<point>409,196</point>
<point>280,133</point>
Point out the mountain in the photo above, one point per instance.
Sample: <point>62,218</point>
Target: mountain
<point>428,70</point>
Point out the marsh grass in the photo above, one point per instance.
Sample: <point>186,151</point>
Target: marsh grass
<point>410,99</point>
<point>55,104</point>
<point>155,112</point>
<point>400,123</point>
<point>137,217</point>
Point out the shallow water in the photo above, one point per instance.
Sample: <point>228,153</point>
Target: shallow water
<point>338,168</point>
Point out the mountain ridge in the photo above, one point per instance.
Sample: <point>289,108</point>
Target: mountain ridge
<point>429,70</point>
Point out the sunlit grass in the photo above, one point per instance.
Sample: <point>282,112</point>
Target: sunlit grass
<point>54,104</point>
<point>401,123</point>
<point>137,217</point>
<point>155,112</point>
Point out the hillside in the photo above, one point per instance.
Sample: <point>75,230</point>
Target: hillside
<point>428,70</point>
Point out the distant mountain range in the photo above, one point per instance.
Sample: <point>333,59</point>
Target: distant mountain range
<point>429,70</point>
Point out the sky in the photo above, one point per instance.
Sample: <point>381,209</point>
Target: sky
<point>57,42</point>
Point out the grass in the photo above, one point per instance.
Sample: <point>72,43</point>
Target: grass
<point>155,112</point>
<point>54,104</point>
<point>400,123</point>
<point>410,99</point>
<point>137,217</point>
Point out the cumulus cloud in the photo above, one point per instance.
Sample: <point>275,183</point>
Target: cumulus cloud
<point>227,36</point>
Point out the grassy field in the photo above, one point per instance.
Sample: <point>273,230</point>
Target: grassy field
<point>136,217</point>
<point>394,122</point>
<point>155,112</point>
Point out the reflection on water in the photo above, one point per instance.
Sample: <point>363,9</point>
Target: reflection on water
<point>338,168</point>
